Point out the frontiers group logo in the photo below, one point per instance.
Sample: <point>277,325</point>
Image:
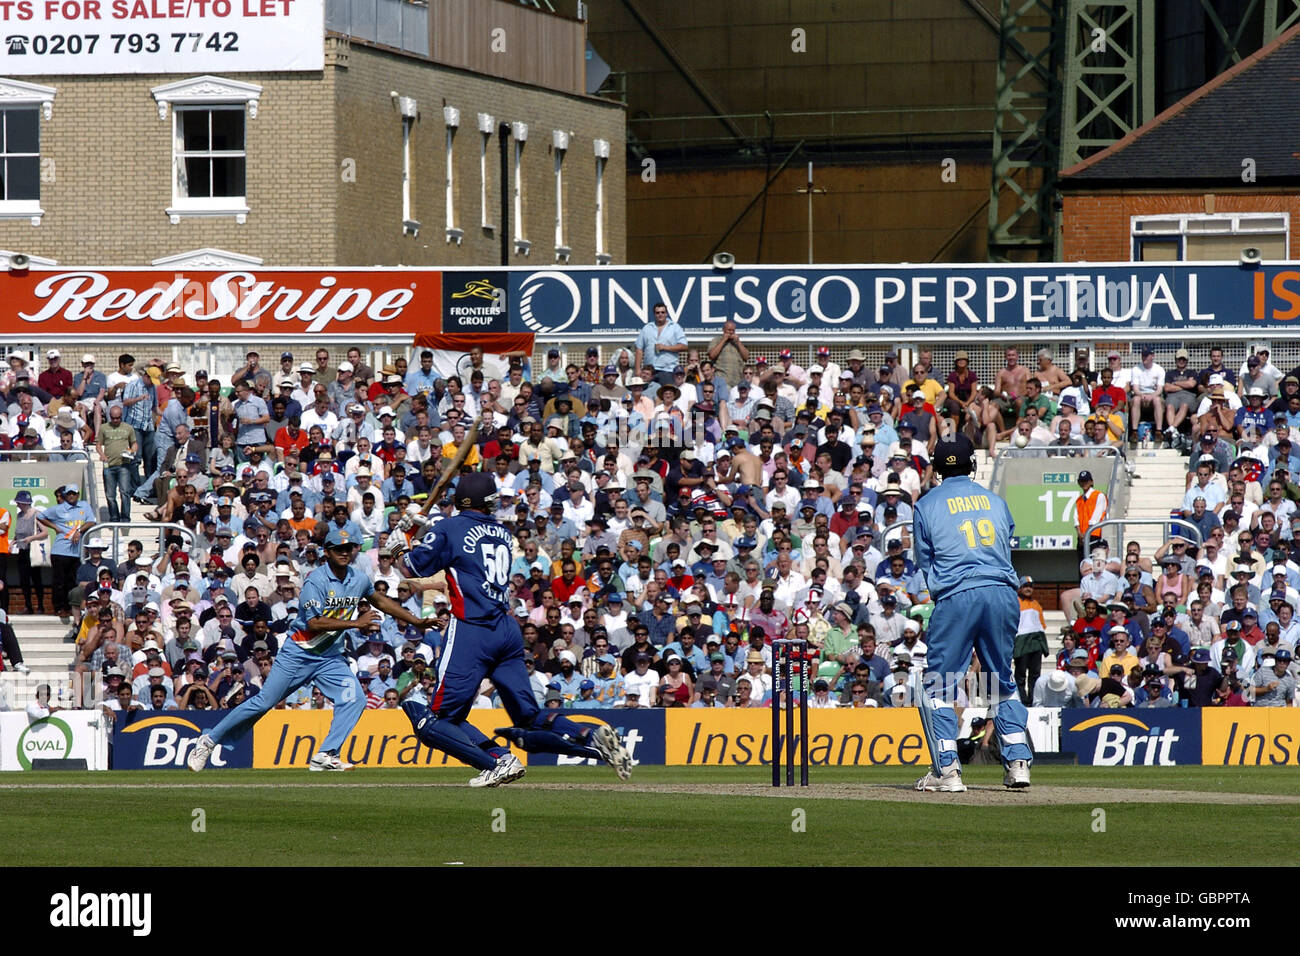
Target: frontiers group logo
<point>477,305</point>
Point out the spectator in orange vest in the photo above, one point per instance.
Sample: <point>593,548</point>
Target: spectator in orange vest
<point>1090,509</point>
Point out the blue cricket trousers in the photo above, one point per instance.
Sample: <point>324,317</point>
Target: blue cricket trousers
<point>983,619</point>
<point>294,668</point>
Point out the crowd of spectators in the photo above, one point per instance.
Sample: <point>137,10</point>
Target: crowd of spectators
<point>676,508</point>
<point>1207,620</point>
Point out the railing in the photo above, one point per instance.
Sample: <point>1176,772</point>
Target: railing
<point>1117,486</point>
<point>394,23</point>
<point>114,531</point>
<point>89,493</point>
<point>1189,530</point>
<point>820,126</point>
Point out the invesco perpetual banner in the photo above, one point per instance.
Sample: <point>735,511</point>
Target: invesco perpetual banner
<point>857,303</point>
<point>160,36</point>
<point>1052,300</point>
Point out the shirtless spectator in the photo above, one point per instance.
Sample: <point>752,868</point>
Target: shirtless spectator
<point>1009,387</point>
<point>1050,375</point>
<point>746,467</point>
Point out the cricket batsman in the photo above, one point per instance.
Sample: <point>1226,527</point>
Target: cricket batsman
<point>328,607</point>
<point>484,640</point>
<point>962,543</point>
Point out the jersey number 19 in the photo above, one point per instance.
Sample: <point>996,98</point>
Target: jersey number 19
<point>987,534</point>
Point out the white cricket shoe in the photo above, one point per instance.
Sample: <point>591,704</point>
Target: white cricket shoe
<point>203,748</point>
<point>1017,775</point>
<point>508,768</point>
<point>948,782</point>
<point>605,739</point>
<point>326,761</point>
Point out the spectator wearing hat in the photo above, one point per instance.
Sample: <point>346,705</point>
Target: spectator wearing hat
<point>1263,371</point>
<point>1145,388</point>
<point>1273,685</point>
<point>1197,681</point>
<point>1217,411</point>
<point>25,528</point>
<point>1058,688</point>
<point>1091,508</point>
<point>69,519</point>
<point>1153,691</point>
<point>1180,395</point>
<point>1253,420</point>
<point>88,388</point>
<point>56,380</point>
<point>1251,377</point>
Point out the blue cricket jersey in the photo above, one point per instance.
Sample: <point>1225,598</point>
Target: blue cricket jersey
<point>961,538</point>
<point>324,595</point>
<point>476,552</point>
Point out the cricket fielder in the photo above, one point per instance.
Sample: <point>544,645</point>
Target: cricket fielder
<point>484,640</point>
<point>962,543</point>
<point>328,608</point>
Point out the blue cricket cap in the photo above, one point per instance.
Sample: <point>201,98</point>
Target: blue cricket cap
<point>339,538</point>
<point>587,684</point>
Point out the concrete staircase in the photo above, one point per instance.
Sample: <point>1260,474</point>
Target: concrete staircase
<point>46,654</point>
<point>42,637</point>
<point>1160,488</point>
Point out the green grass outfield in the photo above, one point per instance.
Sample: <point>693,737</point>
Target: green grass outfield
<point>663,816</point>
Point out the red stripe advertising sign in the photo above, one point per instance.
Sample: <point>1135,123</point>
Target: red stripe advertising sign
<point>239,302</point>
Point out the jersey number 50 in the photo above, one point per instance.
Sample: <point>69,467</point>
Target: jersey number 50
<point>987,533</point>
<point>496,564</point>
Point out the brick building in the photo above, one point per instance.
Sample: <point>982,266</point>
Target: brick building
<point>384,157</point>
<point>1215,173</point>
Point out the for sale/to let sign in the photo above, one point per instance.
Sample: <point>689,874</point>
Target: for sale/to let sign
<point>51,37</point>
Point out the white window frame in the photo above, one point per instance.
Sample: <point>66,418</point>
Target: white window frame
<point>520,133</point>
<point>601,149</point>
<point>560,148</point>
<point>1181,225</point>
<point>410,225</point>
<point>208,258</point>
<point>207,91</point>
<point>486,126</point>
<point>15,93</point>
<point>451,120</point>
